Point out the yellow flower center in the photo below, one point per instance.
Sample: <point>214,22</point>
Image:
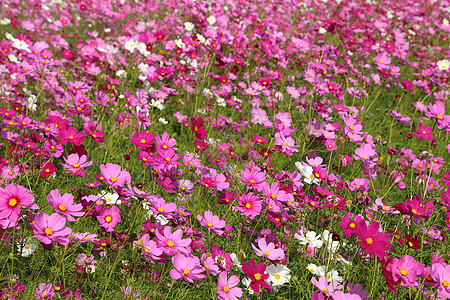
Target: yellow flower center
<point>446,283</point>
<point>48,231</point>
<point>71,137</point>
<point>258,276</point>
<point>75,165</point>
<point>352,225</point>
<point>113,179</point>
<point>404,272</point>
<point>369,241</point>
<point>170,244</point>
<point>226,289</point>
<point>266,253</point>
<point>143,141</point>
<point>186,271</point>
<point>252,181</point>
<point>325,290</point>
<point>62,207</point>
<point>209,224</point>
<point>108,219</point>
<point>160,209</point>
<point>277,277</point>
<point>12,202</point>
<point>248,205</point>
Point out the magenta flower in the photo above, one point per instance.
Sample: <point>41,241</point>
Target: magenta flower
<point>109,217</point>
<point>372,242</point>
<point>212,222</point>
<point>256,275</point>
<point>187,267</point>
<point>254,178</point>
<point>198,128</point>
<point>71,135</point>
<point>75,164</point>
<point>226,289</point>
<point>64,205</point>
<point>12,198</point>
<point>143,140</point>
<point>424,132</point>
<point>249,205</point>
<point>114,175</point>
<point>172,243</point>
<point>51,229</point>
<point>268,250</point>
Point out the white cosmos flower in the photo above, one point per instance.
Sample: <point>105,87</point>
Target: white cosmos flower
<point>311,238</point>
<point>28,247</point>
<point>322,30</point>
<point>278,275</point>
<point>131,45</point>
<point>332,246</point>
<point>110,198</point>
<point>162,120</point>
<point>312,268</point>
<point>236,261</point>
<point>443,64</point>
<point>211,20</point>
<point>189,26</point>
<point>307,173</point>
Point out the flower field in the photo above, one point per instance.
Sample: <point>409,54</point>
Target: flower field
<point>232,149</point>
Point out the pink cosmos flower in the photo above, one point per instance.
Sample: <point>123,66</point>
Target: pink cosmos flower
<point>64,205</point>
<point>438,111</point>
<point>440,274</point>
<point>143,140</point>
<point>328,288</point>
<point>71,135</point>
<point>51,229</point>
<point>172,243</point>
<point>287,144</point>
<point>114,175</point>
<point>364,152</point>
<point>424,132</point>
<point>212,222</point>
<point>256,275</point>
<point>340,295</point>
<point>75,164</point>
<point>254,178</point>
<point>109,217</point>
<point>150,249</point>
<point>187,267</point>
<point>45,291</point>
<point>249,205</point>
<point>165,142</point>
<point>226,289</point>
<point>406,270</point>
<point>12,198</point>
<point>210,265</point>
<point>268,250</point>
<point>372,242</point>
